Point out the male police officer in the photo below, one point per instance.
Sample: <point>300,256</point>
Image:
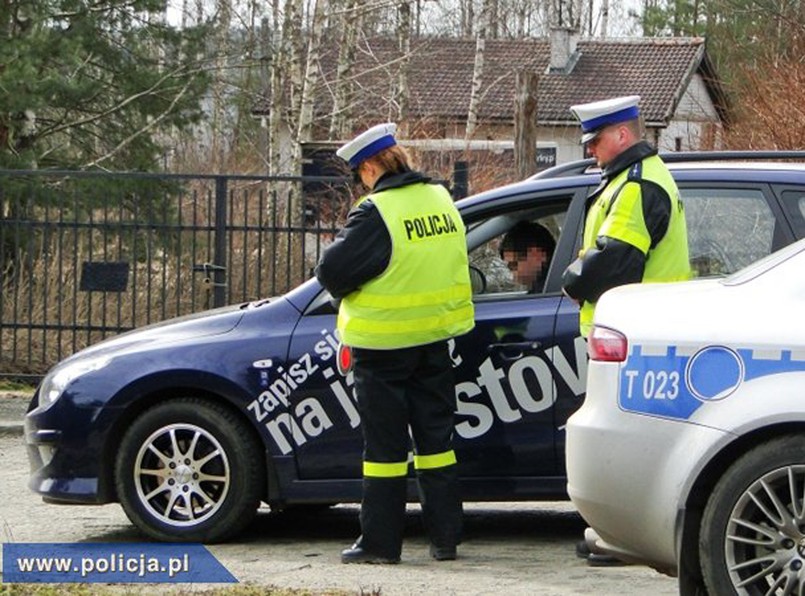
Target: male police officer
<point>400,267</point>
<point>635,227</point>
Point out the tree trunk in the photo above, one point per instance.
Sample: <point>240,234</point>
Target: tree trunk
<point>493,21</point>
<point>342,100</point>
<point>467,18</point>
<point>525,124</point>
<point>404,38</point>
<point>295,205</point>
<point>220,103</point>
<point>477,73</point>
<point>265,87</point>
<point>311,73</point>
<point>566,13</point>
<point>277,93</point>
<point>294,46</point>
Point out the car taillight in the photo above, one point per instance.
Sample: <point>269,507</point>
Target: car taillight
<point>607,345</point>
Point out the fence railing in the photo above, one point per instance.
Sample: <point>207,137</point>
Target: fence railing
<point>87,255</point>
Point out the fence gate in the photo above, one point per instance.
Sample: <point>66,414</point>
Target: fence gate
<point>89,255</point>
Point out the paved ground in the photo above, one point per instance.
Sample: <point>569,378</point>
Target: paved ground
<point>13,406</point>
<point>511,548</point>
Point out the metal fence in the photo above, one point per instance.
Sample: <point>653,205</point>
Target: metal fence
<point>89,255</point>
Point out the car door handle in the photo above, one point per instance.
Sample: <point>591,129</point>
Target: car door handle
<point>515,349</point>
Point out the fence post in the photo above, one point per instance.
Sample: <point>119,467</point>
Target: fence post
<point>219,276</point>
<point>461,179</point>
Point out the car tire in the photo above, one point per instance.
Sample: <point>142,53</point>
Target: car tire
<point>190,470</point>
<point>753,527</point>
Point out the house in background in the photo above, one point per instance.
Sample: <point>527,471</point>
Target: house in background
<point>683,103</point>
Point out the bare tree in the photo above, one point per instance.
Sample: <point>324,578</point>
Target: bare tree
<point>492,22</point>
<point>349,25</point>
<point>294,45</point>
<point>478,71</point>
<point>604,18</point>
<point>467,23</point>
<point>277,81</point>
<point>219,108</point>
<point>404,40</point>
<point>286,74</point>
<point>525,123</point>
<point>566,13</point>
<point>311,72</point>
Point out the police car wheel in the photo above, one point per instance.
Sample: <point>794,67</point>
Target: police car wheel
<point>753,527</point>
<point>189,470</point>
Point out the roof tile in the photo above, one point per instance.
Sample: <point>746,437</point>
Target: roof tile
<point>440,76</point>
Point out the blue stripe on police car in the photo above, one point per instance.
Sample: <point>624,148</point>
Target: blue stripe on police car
<point>714,373</point>
<point>671,384</point>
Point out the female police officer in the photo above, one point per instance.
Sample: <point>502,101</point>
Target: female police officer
<point>400,268</point>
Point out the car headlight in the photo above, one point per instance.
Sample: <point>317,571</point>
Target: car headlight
<point>55,383</point>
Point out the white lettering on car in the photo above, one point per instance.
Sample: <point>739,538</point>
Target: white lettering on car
<point>658,384</point>
<point>527,385</point>
<point>576,380</point>
<point>481,413</point>
<point>517,380</point>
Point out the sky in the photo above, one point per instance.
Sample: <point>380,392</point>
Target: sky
<point>619,23</point>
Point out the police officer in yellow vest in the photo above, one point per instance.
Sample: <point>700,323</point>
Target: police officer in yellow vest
<point>635,228</point>
<point>400,268</point>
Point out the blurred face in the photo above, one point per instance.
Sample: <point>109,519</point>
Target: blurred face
<point>526,266</point>
<point>609,143</point>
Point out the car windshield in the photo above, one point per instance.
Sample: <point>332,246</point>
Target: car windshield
<point>765,264</point>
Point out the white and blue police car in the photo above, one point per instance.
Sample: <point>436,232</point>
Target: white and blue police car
<point>689,452</point>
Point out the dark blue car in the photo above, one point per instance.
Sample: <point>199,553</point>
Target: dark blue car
<point>191,424</point>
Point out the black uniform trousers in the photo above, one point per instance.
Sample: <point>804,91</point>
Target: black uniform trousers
<point>397,388</point>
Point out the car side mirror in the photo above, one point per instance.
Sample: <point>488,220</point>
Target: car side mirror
<point>477,280</point>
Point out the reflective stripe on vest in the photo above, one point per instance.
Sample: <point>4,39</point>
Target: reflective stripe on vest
<point>414,326</point>
<point>618,213</point>
<point>403,307</point>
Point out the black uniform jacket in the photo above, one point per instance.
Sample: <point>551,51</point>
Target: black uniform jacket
<point>613,262</point>
<point>362,249</point>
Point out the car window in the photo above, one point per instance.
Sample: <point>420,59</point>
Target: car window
<point>727,228</point>
<point>497,242</point>
<point>794,203</point>
<point>767,264</point>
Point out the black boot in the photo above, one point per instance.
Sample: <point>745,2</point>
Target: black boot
<point>357,554</point>
<point>382,522</point>
<point>442,510</point>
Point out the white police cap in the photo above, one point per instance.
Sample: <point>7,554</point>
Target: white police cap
<point>368,143</point>
<point>595,116</point>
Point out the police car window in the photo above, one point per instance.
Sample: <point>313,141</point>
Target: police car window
<point>794,204</point>
<point>513,252</point>
<point>727,228</point>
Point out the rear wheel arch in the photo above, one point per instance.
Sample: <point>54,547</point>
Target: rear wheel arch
<point>753,527</point>
<point>697,498</point>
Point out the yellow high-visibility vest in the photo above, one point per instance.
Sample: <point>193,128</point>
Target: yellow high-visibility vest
<point>618,213</point>
<point>424,295</point>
